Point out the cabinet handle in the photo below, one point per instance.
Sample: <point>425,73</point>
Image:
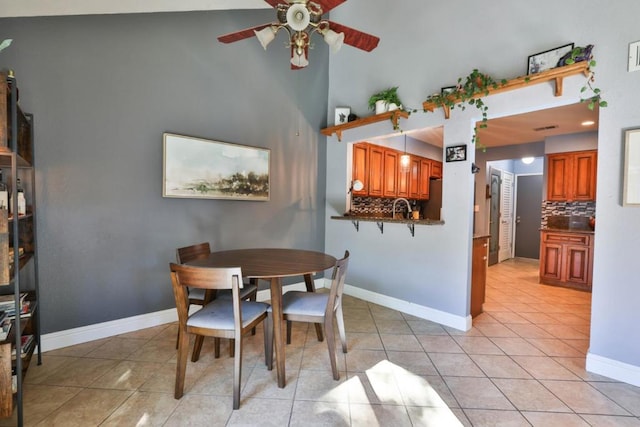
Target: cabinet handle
<point>484,258</point>
<point>484,246</point>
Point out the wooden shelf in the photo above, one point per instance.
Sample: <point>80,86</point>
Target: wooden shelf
<point>555,74</point>
<point>394,116</point>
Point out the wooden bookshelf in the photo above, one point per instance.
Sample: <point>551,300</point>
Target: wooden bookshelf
<point>393,116</point>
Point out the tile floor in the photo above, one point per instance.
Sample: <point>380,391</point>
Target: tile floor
<point>522,364</point>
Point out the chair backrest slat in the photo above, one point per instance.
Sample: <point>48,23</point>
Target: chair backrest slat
<point>206,277</point>
<point>337,283</point>
<point>189,253</point>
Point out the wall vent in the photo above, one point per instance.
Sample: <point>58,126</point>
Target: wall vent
<point>540,129</point>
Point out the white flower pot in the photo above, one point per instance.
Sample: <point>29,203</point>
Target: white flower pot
<point>381,107</point>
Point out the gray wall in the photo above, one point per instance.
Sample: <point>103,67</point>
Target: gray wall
<point>427,45</point>
<point>103,90</point>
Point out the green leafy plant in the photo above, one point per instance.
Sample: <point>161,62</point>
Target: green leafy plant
<point>580,54</point>
<point>389,96</point>
<point>468,91</point>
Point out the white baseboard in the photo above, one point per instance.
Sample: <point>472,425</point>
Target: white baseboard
<point>83,334</point>
<point>613,369</point>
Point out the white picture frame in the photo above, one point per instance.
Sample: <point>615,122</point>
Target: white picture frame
<point>342,115</point>
<point>631,187</point>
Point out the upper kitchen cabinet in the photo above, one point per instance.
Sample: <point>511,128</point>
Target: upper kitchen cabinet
<point>572,176</point>
<point>361,168</point>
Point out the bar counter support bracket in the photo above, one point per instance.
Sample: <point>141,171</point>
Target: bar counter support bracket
<point>412,227</point>
<point>381,227</point>
<point>356,224</point>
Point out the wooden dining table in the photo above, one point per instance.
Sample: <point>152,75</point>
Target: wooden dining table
<point>273,264</point>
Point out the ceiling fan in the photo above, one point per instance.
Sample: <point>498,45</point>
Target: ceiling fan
<point>302,18</point>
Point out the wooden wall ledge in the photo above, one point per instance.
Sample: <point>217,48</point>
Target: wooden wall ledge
<point>555,74</point>
<point>394,116</point>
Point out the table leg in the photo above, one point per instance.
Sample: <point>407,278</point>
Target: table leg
<point>308,281</point>
<point>276,307</point>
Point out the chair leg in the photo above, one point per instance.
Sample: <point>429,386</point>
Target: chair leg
<point>181,365</point>
<point>341,330</point>
<point>253,298</point>
<point>268,346</point>
<point>231,347</point>
<point>197,346</point>
<point>331,344</point>
<point>288,331</point>
<point>237,371</point>
<point>216,347</point>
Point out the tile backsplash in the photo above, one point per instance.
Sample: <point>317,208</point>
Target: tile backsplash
<point>568,209</point>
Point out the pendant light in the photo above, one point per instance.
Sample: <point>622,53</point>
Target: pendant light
<point>405,159</point>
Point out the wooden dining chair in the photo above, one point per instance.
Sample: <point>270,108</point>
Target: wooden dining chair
<point>324,308</point>
<point>221,318</point>
<point>198,296</point>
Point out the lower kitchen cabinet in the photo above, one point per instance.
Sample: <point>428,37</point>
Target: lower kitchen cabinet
<point>566,259</point>
<point>479,254</point>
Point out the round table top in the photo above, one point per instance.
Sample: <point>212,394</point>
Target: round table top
<point>265,263</point>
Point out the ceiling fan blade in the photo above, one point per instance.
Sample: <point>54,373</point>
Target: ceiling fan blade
<point>275,3</point>
<point>355,38</point>
<point>241,35</point>
<point>326,5</point>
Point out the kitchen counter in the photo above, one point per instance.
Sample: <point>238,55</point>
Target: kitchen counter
<point>568,230</point>
<point>389,219</point>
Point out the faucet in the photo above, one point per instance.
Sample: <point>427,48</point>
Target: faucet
<point>393,210</point>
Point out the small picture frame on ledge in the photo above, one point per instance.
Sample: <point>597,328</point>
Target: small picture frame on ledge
<point>447,90</point>
<point>548,59</point>
<point>456,153</point>
<point>342,115</point>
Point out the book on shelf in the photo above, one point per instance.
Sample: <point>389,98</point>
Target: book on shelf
<point>7,304</point>
<point>27,343</point>
<point>20,252</point>
<point>5,328</point>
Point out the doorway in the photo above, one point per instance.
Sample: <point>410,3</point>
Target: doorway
<point>494,216</point>
<point>528,215</point>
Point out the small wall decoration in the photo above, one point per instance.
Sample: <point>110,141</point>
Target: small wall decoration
<point>456,153</point>
<point>548,59</point>
<point>447,90</point>
<point>631,192</point>
<point>342,115</point>
<point>198,168</point>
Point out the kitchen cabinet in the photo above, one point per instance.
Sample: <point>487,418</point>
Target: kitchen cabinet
<point>566,258</point>
<point>571,176</point>
<point>479,255</point>
<point>360,170</point>
<point>378,168</point>
<point>436,169</point>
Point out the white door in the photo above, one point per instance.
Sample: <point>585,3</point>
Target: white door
<point>506,217</point>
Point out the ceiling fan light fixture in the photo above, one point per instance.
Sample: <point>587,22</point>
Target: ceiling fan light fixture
<point>333,39</point>
<point>298,17</point>
<point>299,59</point>
<point>265,36</point>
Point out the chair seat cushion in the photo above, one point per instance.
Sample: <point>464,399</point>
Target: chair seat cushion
<point>218,314</point>
<point>198,293</point>
<point>305,303</point>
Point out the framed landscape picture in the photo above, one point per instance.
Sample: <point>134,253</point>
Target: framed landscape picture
<point>456,153</point>
<point>199,168</point>
<point>631,189</point>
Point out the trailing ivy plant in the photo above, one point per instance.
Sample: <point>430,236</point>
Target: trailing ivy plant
<point>468,91</point>
<point>580,54</point>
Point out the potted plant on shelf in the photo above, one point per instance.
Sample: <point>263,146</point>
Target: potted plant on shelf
<point>5,44</point>
<point>385,100</point>
<point>580,54</point>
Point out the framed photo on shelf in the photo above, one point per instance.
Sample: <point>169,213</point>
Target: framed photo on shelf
<point>631,191</point>
<point>342,115</point>
<point>548,59</point>
<point>456,153</point>
<point>447,90</point>
<point>196,168</point>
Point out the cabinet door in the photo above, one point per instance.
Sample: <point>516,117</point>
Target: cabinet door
<point>478,274</point>
<point>414,178</point>
<point>404,182</point>
<point>577,264</point>
<point>360,170</point>
<point>425,174</point>
<point>558,177</point>
<point>376,170</point>
<point>436,169</point>
<point>551,261</point>
<point>584,172</point>
<point>391,167</point>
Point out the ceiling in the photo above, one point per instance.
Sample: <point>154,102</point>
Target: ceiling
<point>524,128</point>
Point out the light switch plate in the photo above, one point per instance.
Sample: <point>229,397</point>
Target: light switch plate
<point>634,56</point>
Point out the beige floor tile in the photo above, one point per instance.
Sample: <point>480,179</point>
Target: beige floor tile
<point>479,393</point>
<point>477,345</point>
<point>203,410</point>
<point>363,360</point>
<point>611,421</point>
<point>42,400</point>
<point>312,386</point>
<point>583,398</point>
<point>127,375</point>
<point>528,330</point>
<point>492,330</point>
<point>427,391</point>
<point>364,341</point>
<point>262,383</point>
<point>143,408</point>
<point>374,387</point>
<point>398,342</point>
<point>308,413</point>
<point>554,347</point>
<point>89,408</point>
<point>417,363</point>
<point>150,333</point>
<point>499,366</point>
<point>388,326</point>
<point>440,344</point>
<point>453,364</point>
<point>491,418</point>
<point>530,395</point>
<point>379,415</point>
<point>426,327</point>
<point>516,346</point>
<point>117,348</point>
<point>79,372</point>
<point>155,351</point>
<point>547,419</point>
<point>433,417</point>
<point>78,350</point>
<point>623,394</point>
<point>544,368</point>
